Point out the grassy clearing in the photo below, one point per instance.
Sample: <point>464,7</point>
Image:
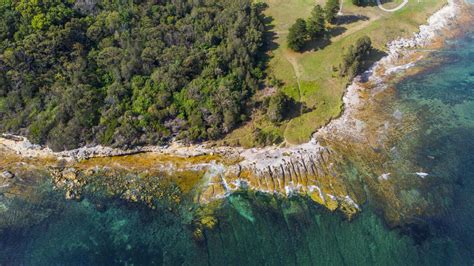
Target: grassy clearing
<point>309,77</point>
<point>245,135</point>
<point>325,104</point>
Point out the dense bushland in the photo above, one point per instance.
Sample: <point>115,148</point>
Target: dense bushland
<point>125,73</point>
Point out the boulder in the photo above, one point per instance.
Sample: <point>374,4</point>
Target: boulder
<point>7,175</point>
<point>12,137</point>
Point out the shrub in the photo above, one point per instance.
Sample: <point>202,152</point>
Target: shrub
<point>278,107</point>
<point>355,56</point>
<point>297,35</point>
<point>331,9</point>
<point>316,24</point>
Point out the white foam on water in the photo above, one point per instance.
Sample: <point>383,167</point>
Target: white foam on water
<point>385,176</point>
<point>421,174</point>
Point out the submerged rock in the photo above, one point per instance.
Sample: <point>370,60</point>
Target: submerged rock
<point>70,180</point>
<point>100,207</point>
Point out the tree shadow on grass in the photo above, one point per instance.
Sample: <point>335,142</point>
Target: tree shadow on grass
<point>335,31</point>
<point>296,109</point>
<point>368,3</point>
<point>269,34</point>
<point>316,44</point>
<point>323,41</point>
<point>349,19</point>
<point>269,42</point>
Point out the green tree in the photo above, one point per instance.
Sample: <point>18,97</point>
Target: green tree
<point>278,107</point>
<point>297,35</point>
<point>331,9</point>
<point>355,56</point>
<point>357,2</point>
<point>265,138</point>
<point>316,23</point>
<point>40,21</point>
<point>363,45</point>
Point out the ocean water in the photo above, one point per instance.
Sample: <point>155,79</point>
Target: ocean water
<point>252,230</point>
<point>442,97</point>
<point>256,229</point>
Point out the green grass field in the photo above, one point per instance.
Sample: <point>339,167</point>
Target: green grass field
<point>309,77</point>
<point>391,3</point>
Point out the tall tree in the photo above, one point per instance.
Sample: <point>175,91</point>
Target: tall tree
<point>278,107</point>
<point>363,45</point>
<point>331,9</point>
<point>355,56</point>
<point>297,35</point>
<point>316,24</point>
<point>357,2</point>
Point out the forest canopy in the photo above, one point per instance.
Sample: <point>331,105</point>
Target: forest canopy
<point>126,73</point>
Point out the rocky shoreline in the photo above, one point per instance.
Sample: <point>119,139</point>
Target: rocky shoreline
<point>310,169</point>
<point>398,51</point>
<point>402,54</point>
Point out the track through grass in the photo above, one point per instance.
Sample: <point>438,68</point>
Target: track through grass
<point>311,77</point>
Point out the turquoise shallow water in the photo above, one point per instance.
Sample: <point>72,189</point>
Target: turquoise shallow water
<point>287,232</point>
<point>260,230</point>
<point>443,100</point>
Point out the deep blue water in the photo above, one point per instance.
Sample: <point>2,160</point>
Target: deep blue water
<point>261,230</point>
